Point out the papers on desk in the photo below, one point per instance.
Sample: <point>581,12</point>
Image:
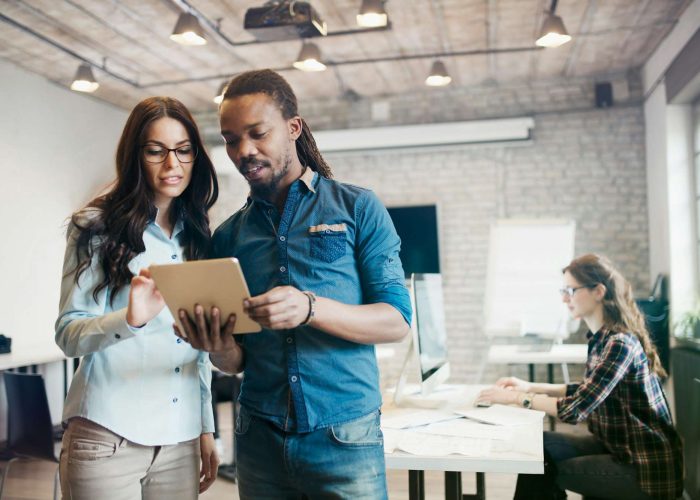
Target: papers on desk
<point>463,428</point>
<point>426,444</point>
<point>435,433</point>
<point>502,415</point>
<point>405,419</point>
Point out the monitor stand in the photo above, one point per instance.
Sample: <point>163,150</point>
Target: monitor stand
<point>422,395</point>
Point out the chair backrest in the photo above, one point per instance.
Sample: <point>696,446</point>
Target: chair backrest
<point>29,427</point>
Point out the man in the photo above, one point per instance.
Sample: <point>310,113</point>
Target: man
<point>321,260</point>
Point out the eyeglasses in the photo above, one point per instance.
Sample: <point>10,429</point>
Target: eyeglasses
<point>154,153</point>
<point>569,291</point>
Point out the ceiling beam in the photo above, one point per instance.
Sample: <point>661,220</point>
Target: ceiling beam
<point>405,57</point>
<point>585,27</point>
<point>539,19</point>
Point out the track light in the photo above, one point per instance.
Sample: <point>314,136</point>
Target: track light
<point>84,80</point>
<point>553,32</point>
<point>188,31</point>
<point>309,58</point>
<point>218,99</point>
<point>438,76</point>
<point>372,14</point>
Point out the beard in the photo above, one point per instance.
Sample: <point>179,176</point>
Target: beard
<point>268,189</point>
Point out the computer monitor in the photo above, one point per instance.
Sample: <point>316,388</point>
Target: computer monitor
<point>428,349</point>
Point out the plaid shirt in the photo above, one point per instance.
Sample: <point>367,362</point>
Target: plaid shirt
<point>626,409</point>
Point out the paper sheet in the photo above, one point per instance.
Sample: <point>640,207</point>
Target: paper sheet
<point>419,443</point>
<point>502,415</point>
<point>404,419</point>
<point>469,428</point>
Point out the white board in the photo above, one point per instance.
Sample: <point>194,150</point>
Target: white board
<point>524,277</point>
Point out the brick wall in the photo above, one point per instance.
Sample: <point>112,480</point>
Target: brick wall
<point>583,163</point>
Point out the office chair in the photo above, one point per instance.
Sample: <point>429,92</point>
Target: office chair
<point>29,428</point>
<point>226,388</point>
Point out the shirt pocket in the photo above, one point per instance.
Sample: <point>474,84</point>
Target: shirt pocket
<point>328,241</point>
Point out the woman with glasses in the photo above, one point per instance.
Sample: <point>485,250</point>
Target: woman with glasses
<point>633,450</point>
<point>138,416</point>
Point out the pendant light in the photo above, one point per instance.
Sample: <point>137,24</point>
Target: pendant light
<point>438,77</point>
<point>553,32</point>
<point>309,58</point>
<point>84,80</point>
<point>188,31</point>
<point>372,14</point>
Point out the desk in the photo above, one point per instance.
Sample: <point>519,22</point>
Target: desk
<point>524,455</point>
<point>558,354</point>
<point>31,354</point>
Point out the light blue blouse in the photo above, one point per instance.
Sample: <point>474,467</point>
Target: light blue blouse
<point>143,384</point>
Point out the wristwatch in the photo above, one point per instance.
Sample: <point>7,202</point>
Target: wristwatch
<point>527,400</point>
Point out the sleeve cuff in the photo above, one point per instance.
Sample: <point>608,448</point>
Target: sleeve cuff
<point>116,328</point>
<point>208,421</point>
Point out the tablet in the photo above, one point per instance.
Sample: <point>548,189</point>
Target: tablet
<point>215,282</point>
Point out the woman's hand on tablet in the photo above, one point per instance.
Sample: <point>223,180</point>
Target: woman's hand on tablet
<point>145,301</point>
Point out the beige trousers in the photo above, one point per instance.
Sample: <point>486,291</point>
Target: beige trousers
<point>96,464</point>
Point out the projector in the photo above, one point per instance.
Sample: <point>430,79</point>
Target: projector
<point>284,21</point>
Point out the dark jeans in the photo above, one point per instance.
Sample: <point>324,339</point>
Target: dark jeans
<point>344,461</point>
<point>580,464</point>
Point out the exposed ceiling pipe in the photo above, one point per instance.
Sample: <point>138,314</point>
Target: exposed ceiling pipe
<point>102,67</point>
<point>214,28</point>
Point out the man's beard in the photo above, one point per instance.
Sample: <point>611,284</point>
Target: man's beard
<point>268,190</point>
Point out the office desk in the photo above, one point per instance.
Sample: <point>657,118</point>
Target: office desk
<point>521,453</point>
<point>558,354</point>
<point>32,354</point>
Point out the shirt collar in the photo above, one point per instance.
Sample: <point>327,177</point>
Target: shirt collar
<point>179,224</point>
<point>307,179</point>
<point>594,337</point>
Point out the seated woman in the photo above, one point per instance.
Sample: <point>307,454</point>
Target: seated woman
<point>634,451</point>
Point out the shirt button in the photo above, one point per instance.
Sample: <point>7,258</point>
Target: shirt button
<point>177,370</point>
<point>173,256</point>
<point>174,400</point>
<point>282,238</point>
<point>294,378</point>
<point>328,231</point>
<point>179,341</point>
<point>289,340</point>
<point>282,269</point>
<point>117,336</point>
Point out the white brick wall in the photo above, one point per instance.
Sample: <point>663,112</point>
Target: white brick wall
<point>583,163</point>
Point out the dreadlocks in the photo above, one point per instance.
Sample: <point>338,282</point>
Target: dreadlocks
<point>268,82</point>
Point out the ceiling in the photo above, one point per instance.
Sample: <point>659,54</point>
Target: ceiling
<point>130,40</point>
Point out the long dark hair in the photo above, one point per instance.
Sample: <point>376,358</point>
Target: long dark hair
<point>115,233</point>
<point>620,311</point>
<point>266,81</point>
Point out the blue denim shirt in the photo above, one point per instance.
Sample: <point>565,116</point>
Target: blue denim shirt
<point>338,241</point>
